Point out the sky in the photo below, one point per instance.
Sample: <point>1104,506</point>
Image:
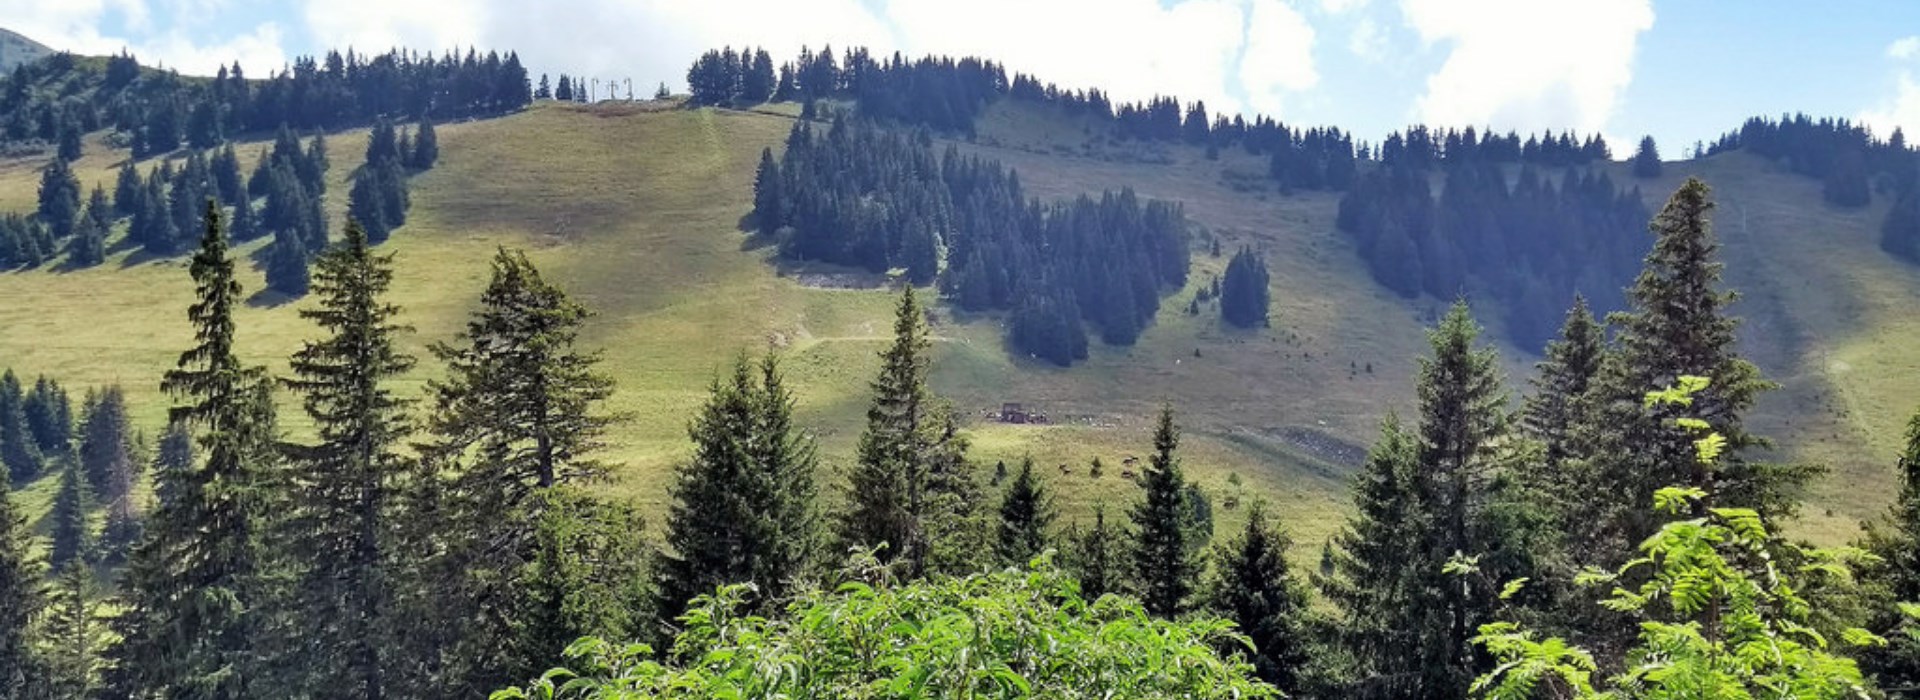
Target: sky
<point>1682,71</point>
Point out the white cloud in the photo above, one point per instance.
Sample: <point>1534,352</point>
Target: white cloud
<point>1339,7</point>
<point>1278,56</point>
<point>1368,41</point>
<point>75,25</point>
<point>1528,64</point>
<point>1902,109</point>
<point>1905,48</point>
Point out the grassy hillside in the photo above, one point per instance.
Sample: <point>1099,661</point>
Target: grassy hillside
<point>636,210</point>
<point>16,49</point>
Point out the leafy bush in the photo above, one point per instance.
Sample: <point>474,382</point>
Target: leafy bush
<point>1014,634</point>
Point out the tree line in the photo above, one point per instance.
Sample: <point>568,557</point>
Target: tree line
<point>863,196</point>
<point>60,98</point>
<point>1528,244</point>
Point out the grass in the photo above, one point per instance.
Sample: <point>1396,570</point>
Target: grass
<point>635,211</point>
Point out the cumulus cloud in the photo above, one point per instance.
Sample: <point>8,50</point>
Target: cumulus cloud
<point>157,33</point>
<point>1528,64</point>
<point>1901,109</point>
<point>1368,41</point>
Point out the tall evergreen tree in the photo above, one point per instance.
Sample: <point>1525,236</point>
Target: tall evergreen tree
<point>1895,578</point>
<point>49,414</point>
<point>1253,587</point>
<point>1462,425</point>
<point>426,147</point>
<point>342,524</point>
<point>196,585</point>
<point>106,444</point>
<point>1646,159</point>
<point>903,492</point>
<point>767,201</point>
<point>21,599</point>
<point>1026,511</point>
<point>288,270</point>
<point>1243,292</point>
<point>72,539</point>
<point>18,450</point>
<point>742,508</point>
<point>1560,403</point>
<point>1096,557</point>
<point>515,562</point>
<point>1677,326</point>
<point>1165,565</point>
<point>73,635</point>
<point>59,198</point>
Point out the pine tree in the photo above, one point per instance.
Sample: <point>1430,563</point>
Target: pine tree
<point>1026,511</point>
<point>59,198</point>
<point>49,415</point>
<point>1677,326</point>
<point>128,190</point>
<point>742,507</point>
<point>1165,565</point>
<point>287,264</point>
<point>18,451</point>
<point>106,444</point>
<point>196,585</point>
<point>903,493</point>
<point>342,524</point>
<point>1096,556</point>
<point>21,598</point>
<point>89,245</point>
<point>516,416</point>
<point>72,539</point>
<point>1253,587</point>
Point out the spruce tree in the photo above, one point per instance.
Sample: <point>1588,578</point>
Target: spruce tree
<point>288,270</point>
<point>18,451</point>
<point>342,521</point>
<point>59,198</point>
<point>1243,292</point>
<point>21,598</point>
<point>196,585</point>
<point>742,508</point>
<point>1369,578</point>
<point>768,213</point>
<point>1560,401</point>
<point>1646,159</point>
<point>72,540</point>
<point>89,244</point>
<point>1895,577</point>
<point>1253,587</point>
<point>517,416</point>
<point>1096,557</point>
<point>426,146</point>
<point>49,413</point>
<point>1462,426</point>
<point>1026,511</point>
<point>106,444</point>
<point>73,636</point>
<point>128,190</point>
<point>1165,565</point>
<point>905,493</point>
<point>1677,325</point>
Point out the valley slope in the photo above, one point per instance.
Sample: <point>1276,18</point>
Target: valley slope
<point>635,209</point>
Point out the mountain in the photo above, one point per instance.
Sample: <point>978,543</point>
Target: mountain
<point>16,49</point>
<point>636,208</point>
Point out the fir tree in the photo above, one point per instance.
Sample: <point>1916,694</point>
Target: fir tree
<point>1646,159</point>
<point>516,416</point>
<point>72,540</point>
<point>18,450</point>
<point>1677,326</point>
<point>768,214</point>
<point>341,528</point>
<point>196,587</point>
<point>1368,577</point>
<point>1165,565</point>
<point>426,146</point>
<point>1560,402</point>
<point>742,507</point>
<point>1895,578</point>
<point>1026,511</point>
<point>59,198</point>
<point>21,598</point>
<point>106,444</point>
<point>287,264</point>
<point>73,636</point>
<point>1096,556</point>
<point>128,190</point>
<point>902,493</point>
<point>1253,587</point>
<point>49,414</point>
<point>1243,292</point>
<point>89,244</point>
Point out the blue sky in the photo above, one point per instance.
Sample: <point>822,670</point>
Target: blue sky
<point>1681,70</point>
